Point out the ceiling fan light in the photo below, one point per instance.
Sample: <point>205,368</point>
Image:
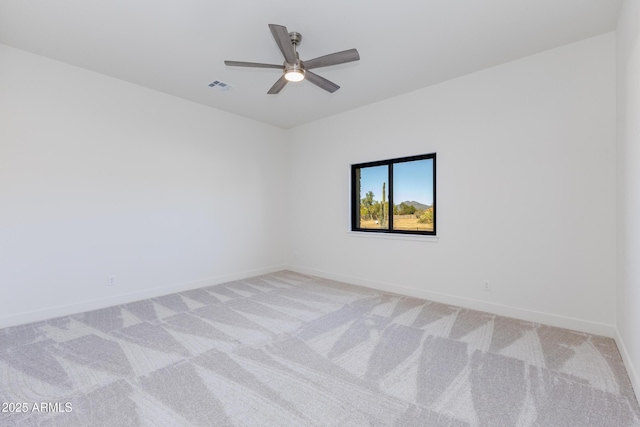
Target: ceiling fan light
<point>294,75</point>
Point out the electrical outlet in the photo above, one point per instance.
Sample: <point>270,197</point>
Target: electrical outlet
<point>486,286</point>
<point>111,281</point>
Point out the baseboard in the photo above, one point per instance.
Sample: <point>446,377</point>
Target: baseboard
<point>502,310</point>
<point>518,313</point>
<point>65,310</point>
<point>628,363</point>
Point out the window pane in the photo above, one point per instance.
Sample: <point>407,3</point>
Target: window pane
<point>395,195</point>
<point>413,195</point>
<point>373,199</point>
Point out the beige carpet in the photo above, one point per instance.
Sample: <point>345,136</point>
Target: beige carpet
<point>286,349</point>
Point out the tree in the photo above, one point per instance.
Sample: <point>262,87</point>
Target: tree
<point>367,204</point>
<point>427,217</point>
<point>375,210</point>
<point>406,209</point>
<point>364,212</point>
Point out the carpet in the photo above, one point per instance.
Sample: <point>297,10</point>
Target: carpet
<point>287,349</point>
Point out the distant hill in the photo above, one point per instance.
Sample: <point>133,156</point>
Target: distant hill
<point>419,206</point>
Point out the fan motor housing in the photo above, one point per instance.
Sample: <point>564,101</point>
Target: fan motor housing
<point>296,38</point>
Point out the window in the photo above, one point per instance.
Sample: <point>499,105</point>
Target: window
<point>395,196</point>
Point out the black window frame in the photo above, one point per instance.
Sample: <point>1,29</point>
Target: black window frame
<point>355,195</point>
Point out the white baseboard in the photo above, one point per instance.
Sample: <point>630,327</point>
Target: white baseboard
<point>518,313</point>
<point>502,310</point>
<point>628,363</point>
<point>78,307</point>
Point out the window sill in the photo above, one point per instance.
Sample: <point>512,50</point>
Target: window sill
<point>393,236</point>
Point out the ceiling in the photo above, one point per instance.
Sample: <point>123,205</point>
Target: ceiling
<point>178,47</point>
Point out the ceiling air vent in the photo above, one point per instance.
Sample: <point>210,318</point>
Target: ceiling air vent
<point>221,86</point>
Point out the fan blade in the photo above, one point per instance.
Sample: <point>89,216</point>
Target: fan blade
<point>333,59</point>
<point>251,64</point>
<point>321,82</point>
<point>283,40</point>
<point>277,86</point>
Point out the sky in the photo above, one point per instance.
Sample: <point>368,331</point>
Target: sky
<point>412,181</point>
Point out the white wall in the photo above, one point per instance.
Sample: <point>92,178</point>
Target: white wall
<point>102,178</point>
<point>526,189</point>
<point>628,304</point>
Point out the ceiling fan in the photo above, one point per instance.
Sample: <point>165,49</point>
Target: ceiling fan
<point>294,69</point>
